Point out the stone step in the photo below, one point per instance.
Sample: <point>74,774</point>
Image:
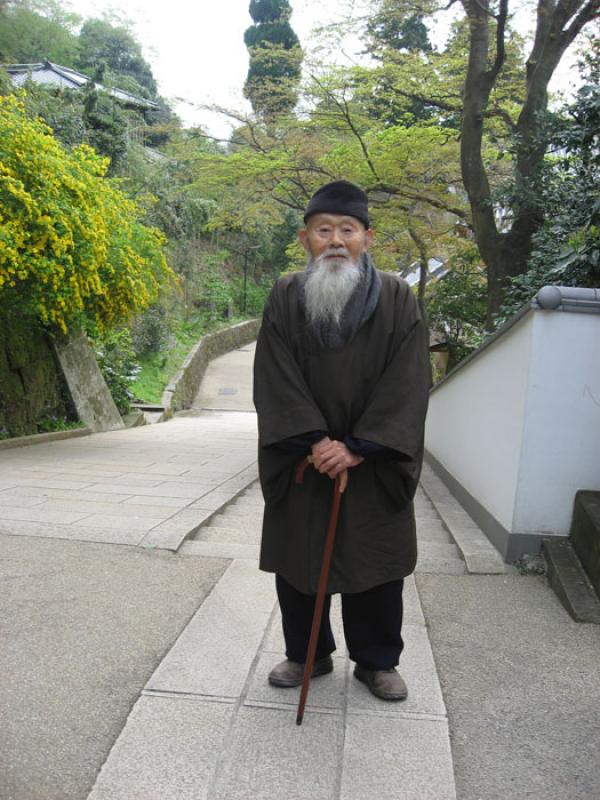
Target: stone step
<point>440,558</point>
<point>242,513</point>
<point>236,515</point>
<point>247,502</point>
<point>210,533</point>
<point>247,529</point>
<point>426,534</point>
<point>585,534</point>
<point>241,508</point>
<point>429,514</point>
<point>441,566</point>
<point>435,523</point>
<point>235,521</point>
<point>233,550</point>
<point>439,550</point>
<point>569,580</point>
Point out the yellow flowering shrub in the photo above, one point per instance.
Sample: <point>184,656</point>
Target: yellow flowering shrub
<point>71,242</point>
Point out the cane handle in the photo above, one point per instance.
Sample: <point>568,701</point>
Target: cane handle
<point>301,468</point>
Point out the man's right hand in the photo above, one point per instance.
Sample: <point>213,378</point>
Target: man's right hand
<point>333,458</point>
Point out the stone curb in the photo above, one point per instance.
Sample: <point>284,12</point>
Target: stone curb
<point>42,438</point>
<point>478,553</point>
<point>171,534</point>
<point>184,386</point>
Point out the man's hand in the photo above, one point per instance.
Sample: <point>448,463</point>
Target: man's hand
<point>333,458</point>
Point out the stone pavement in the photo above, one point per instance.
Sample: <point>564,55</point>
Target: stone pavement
<point>521,683</point>
<point>205,723</point>
<point>208,725</point>
<point>83,626</point>
<point>143,487</point>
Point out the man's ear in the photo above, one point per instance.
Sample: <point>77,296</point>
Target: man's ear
<point>302,238</point>
<point>368,237</point>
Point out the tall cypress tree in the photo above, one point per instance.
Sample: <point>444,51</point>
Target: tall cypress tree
<point>275,58</point>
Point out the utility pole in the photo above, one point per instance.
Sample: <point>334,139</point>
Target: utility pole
<point>245,252</point>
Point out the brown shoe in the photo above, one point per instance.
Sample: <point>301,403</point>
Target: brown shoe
<point>291,673</point>
<point>383,683</point>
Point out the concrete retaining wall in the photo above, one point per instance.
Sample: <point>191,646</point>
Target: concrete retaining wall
<point>514,431</point>
<point>183,388</point>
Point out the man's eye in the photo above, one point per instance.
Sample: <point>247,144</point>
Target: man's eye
<point>324,230</point>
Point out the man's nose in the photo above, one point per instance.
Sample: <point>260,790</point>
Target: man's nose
<point>336,238</point>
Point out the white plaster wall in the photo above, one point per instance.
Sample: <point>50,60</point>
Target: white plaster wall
<point>561,445</point>
<point>475,421</point>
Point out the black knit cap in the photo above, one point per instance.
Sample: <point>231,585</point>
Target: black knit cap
<point>340,197</point>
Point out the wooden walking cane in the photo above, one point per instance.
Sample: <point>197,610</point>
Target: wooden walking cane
<point>322,589</point>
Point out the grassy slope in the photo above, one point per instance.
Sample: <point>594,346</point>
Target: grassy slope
<point>157,369</point>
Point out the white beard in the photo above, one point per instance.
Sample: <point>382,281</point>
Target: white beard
<point>328,287</point>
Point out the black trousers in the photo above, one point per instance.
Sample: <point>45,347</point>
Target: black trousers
<point>372,624</point>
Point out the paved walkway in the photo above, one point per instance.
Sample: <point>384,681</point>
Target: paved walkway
<point>208,725</point>
<point>145,487</point>
<point>205,723</point>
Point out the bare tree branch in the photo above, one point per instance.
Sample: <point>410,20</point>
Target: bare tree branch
<point>405,192</point>
<point>423,266</point>
<point>484,9</point>
<point>347,115</point>
<point>587,14</point>
<point>360,139</point>
<point>500,49</point>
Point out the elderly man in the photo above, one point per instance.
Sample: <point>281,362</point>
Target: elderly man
<point>341,374</point>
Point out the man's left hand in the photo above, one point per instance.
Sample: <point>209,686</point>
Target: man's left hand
<point>333,458</point>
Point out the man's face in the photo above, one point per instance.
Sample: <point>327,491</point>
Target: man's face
<point>335,237</point>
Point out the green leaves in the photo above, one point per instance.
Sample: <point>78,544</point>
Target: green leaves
<point>275,59</point>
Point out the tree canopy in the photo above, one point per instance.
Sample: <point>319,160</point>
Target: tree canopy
<point>32,31</point>
<point>462,160</point>
<point>275,58</point>
<point>101,42</point>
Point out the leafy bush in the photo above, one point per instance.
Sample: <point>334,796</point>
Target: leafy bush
<point>71,243</point>
<point>117,362</point>
<point>215,297</point>
<point>149,331</point>
<point>249,299</point>
<point>456,306</point>
<point>53,423</point>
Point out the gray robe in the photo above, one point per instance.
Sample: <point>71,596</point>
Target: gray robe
<point>375,388</point>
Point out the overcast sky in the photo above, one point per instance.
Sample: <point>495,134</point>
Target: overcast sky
<point>197,49</point>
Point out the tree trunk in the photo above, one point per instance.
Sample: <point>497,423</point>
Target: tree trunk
<point>506,253</point>
<point>423,270</point>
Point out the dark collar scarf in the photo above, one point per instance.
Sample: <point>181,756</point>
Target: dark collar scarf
<point>357,311</point>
